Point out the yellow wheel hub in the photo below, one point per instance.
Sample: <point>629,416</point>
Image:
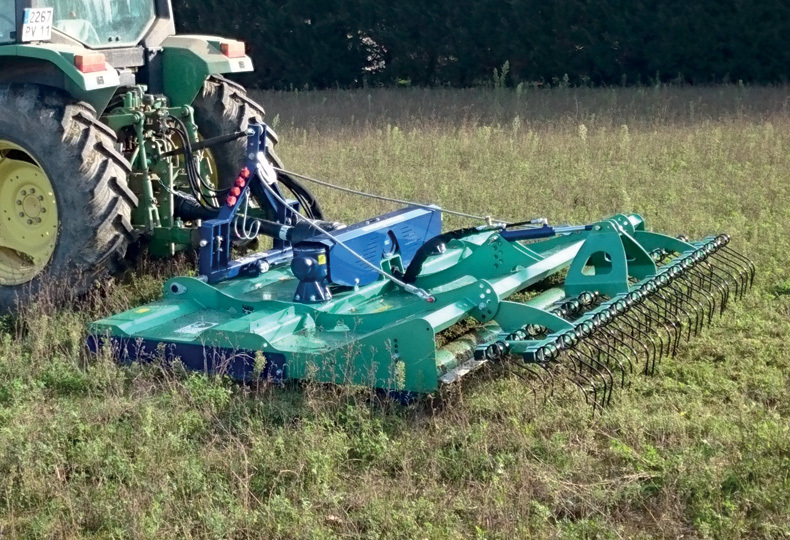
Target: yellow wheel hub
<point>28,216</point>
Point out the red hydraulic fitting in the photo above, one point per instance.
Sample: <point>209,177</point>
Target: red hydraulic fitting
<point>240,182</point>
<point>231,200</point>
<point>245,173</point>
<point>235,191</point>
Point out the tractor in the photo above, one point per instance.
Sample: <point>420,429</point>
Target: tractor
<point>106,112</point>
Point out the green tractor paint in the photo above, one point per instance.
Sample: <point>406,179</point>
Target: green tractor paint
<point>110,111</point>
<point>367,304</point>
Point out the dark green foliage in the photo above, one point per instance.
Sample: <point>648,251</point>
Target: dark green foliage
<point>347,43</point>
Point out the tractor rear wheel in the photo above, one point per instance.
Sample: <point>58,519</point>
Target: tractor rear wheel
<point>223,107</point>
<point>65,207</point>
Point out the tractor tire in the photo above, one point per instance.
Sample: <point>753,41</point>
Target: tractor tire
<point>223,107</point>
<point>53,143</point>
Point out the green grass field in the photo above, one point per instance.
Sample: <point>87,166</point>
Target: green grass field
<point>700,450</point>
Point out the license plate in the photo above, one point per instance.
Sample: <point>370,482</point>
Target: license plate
<point>37,25</point>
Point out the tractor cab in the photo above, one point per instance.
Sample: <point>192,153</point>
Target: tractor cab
<point>91,48</point>
<point>102,23</point>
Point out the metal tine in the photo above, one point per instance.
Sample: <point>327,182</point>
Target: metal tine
<point>736,273</point>
<point>652,318</point>
<point>680,298</point>
<point>744,278</point>
<point>550,374</point>
<point>686,298</point>
<point>659,297</point>
<point>617,338</point>
<point>624,319</point>
<point>583,365</point>
<point>653,324</point>
<point>716,281</point>
<point>651,334</point>
<point>595,349</point>
<point>718,284</point>
<point>567,374</point>
<point>734,258</point>
<point>693,292</point>
<point>711,271</point>
<point>604,337</point>
<point>581,386</point>
<point>599,369</point>
<point>623,309</point>
<point>672,345</point>
<point>521,376</point>
<point>727,250</point>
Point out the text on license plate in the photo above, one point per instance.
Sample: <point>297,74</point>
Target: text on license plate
<point>37,25</point>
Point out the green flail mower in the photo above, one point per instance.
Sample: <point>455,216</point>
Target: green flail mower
<point>367,304</point>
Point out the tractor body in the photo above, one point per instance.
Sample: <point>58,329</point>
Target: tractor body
<point>111,83</point>
<point>92,48</point>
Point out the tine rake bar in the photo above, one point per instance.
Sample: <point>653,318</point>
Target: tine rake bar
<point>643,324</point>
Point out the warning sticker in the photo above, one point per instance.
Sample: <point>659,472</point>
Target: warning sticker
<point>196,328</point>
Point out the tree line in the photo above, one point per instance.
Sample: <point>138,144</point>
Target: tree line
<point>350,43</point>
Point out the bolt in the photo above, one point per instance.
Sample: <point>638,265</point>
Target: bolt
<point>38,220</point>
<point>481,306</point>
<point>251,156</point>
<point>32,190</point>
<point>40,197</point>
<point>43,210</point>
<point>21,214</point>
<point>19,203</point>
<point>24,192</point>
<point>203,243</point>
<point>29,221</point>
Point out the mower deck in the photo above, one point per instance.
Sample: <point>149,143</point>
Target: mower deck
<point>374,335</point>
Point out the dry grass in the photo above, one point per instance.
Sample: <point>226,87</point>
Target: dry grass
<point>89,448</point>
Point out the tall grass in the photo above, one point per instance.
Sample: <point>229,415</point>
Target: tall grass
<point>90,448</point>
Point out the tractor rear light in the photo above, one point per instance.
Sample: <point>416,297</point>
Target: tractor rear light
<point>240,182</point>
<point>233,49</point>
<point>245,173</point>
<point>235,191</point>
<point>90,63</point>
<point>231,200</point>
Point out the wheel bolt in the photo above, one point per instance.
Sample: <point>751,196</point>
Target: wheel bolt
<point>38,220</point>
<point>21,214</point>
<point>24,192</point>
<point>40,197</point>
<point>43,210</point>
<point>29,221</point>
<point>19,203</point>
<point>32,190</point>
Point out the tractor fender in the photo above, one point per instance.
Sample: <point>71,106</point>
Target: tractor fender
<point>188,61</point>
<point>53,65</point>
